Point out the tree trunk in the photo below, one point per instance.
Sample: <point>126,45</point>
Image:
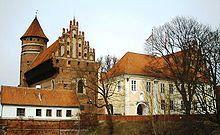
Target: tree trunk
<point>109,121</point>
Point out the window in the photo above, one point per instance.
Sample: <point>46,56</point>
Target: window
<point>194,105</point>
<point>182,105</point>
<point>30,39</point>
<point>38,112</point>
<point>148,85</point>
<point>162,87</point>
<point>79,53</point>
<point>81,107</point>
<point>85,55</point>
<point>162,104</point>
<point>59,113</point>
<point>65,85</point>
<point>171,88</point>
<point>48,112</point>
<point>57,61</point>
<point>20,111</point>
<point>68,43</point>
<point>171,105</point>
<point>68,52</point>
<point>133,85</point>
<point>68,113</point>
<point>38,39</point>
<point>79,45</point>
<point>68,62</point>
<point>80,86</point>
<point>119,86</point>
<point>74,35</point>
<point>78,62</point>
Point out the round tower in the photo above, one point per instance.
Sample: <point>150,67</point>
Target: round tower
<point>34,41</point>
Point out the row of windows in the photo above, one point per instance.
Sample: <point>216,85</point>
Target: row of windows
<point>148,87</point>
<point>163,105</point>
<point>21,112</point>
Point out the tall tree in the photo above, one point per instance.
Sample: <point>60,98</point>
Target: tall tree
<point>179,43</point>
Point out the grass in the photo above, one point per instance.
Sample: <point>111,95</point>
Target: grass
<point>158,128</point>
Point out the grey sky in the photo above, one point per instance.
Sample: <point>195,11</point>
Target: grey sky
<point>112,27</point>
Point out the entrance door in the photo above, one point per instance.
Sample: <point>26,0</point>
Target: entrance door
<point>140,109</point>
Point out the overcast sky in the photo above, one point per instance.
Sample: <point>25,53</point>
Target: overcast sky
<point>112,26</point>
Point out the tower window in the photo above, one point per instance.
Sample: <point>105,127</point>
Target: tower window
<point>79,53</point>
<point>79,45</point>
<point>68,52</point>
<point>78,62</point>
<point>80,86</point>
<point>69,62</point>
<point>74,35</point>
<point>57,61</point>
<point>85,55</point>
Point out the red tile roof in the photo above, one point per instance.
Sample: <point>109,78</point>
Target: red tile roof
<point>29,96</point>
<point>35,30</point>
<point>45,55</point>
<point>139,64</point>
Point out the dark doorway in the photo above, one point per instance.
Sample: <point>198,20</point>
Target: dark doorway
<point>140,109</point>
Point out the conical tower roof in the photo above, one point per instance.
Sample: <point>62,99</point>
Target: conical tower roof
<point>35,30</point>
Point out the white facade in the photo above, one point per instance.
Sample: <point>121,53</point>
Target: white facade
<point>148,98</point>
<point>10,112</point>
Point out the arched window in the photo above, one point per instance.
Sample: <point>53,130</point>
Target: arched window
<point>80,86</point>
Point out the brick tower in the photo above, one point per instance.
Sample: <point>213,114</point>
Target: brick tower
<point>34,41</point>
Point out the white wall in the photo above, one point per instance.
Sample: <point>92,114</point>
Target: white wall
<point>10,112</point>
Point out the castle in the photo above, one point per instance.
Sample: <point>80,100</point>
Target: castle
<point>52,79</point>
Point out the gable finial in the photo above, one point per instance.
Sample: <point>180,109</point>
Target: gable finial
<point>36,12</point>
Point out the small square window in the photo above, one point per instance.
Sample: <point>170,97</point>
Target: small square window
<point>59,113</point>
<point>20,111</point>
<point>38,112</point>
<point>48,112</point>
<point>68,113</point>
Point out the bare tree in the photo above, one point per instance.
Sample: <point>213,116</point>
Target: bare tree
<point>107,62</point>
<point>179,43</point>
<point>207,98</point>
<point>103,86</point>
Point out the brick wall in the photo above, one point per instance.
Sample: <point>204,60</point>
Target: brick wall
<point>36,127</point>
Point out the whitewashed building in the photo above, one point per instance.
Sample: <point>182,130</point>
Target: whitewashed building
<point>38,104</point>
<point>141,89</point>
